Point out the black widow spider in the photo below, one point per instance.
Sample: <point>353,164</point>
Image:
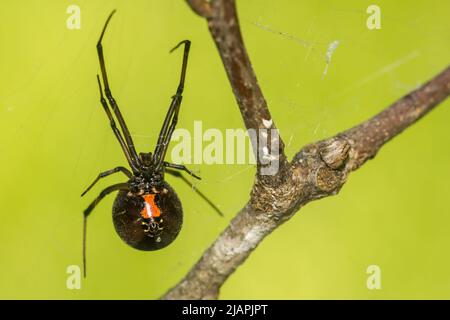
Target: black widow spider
<point>147,213</point>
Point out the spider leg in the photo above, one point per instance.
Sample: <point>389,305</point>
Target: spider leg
<point>180,167</point>
<point>112,101</point>
<point>171,119</point>
<point>105,192</point>
<point>107,173</point>
<point>201,194</point>
<point>162,147</point>
<point>116,131</point>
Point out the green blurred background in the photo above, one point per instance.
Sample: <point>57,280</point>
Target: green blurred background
<point>394,212</point>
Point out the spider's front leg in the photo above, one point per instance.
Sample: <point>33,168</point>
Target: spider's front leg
<point>171,119</point>
<point>114,106</point>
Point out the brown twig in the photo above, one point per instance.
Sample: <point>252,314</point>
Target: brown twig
<point>200,7</point>
<point>318,170</point>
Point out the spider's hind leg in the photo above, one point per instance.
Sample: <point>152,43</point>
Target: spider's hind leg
<point>181,167</point>
<point>107,173</point>
<point>87,212</point>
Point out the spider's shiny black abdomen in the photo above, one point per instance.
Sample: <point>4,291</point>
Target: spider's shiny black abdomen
<point>146,232</point>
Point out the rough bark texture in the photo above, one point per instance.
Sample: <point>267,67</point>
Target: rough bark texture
<point>318,170</point>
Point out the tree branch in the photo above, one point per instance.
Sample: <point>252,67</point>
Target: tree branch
<point>200,7</point>
<point>318,170</point>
